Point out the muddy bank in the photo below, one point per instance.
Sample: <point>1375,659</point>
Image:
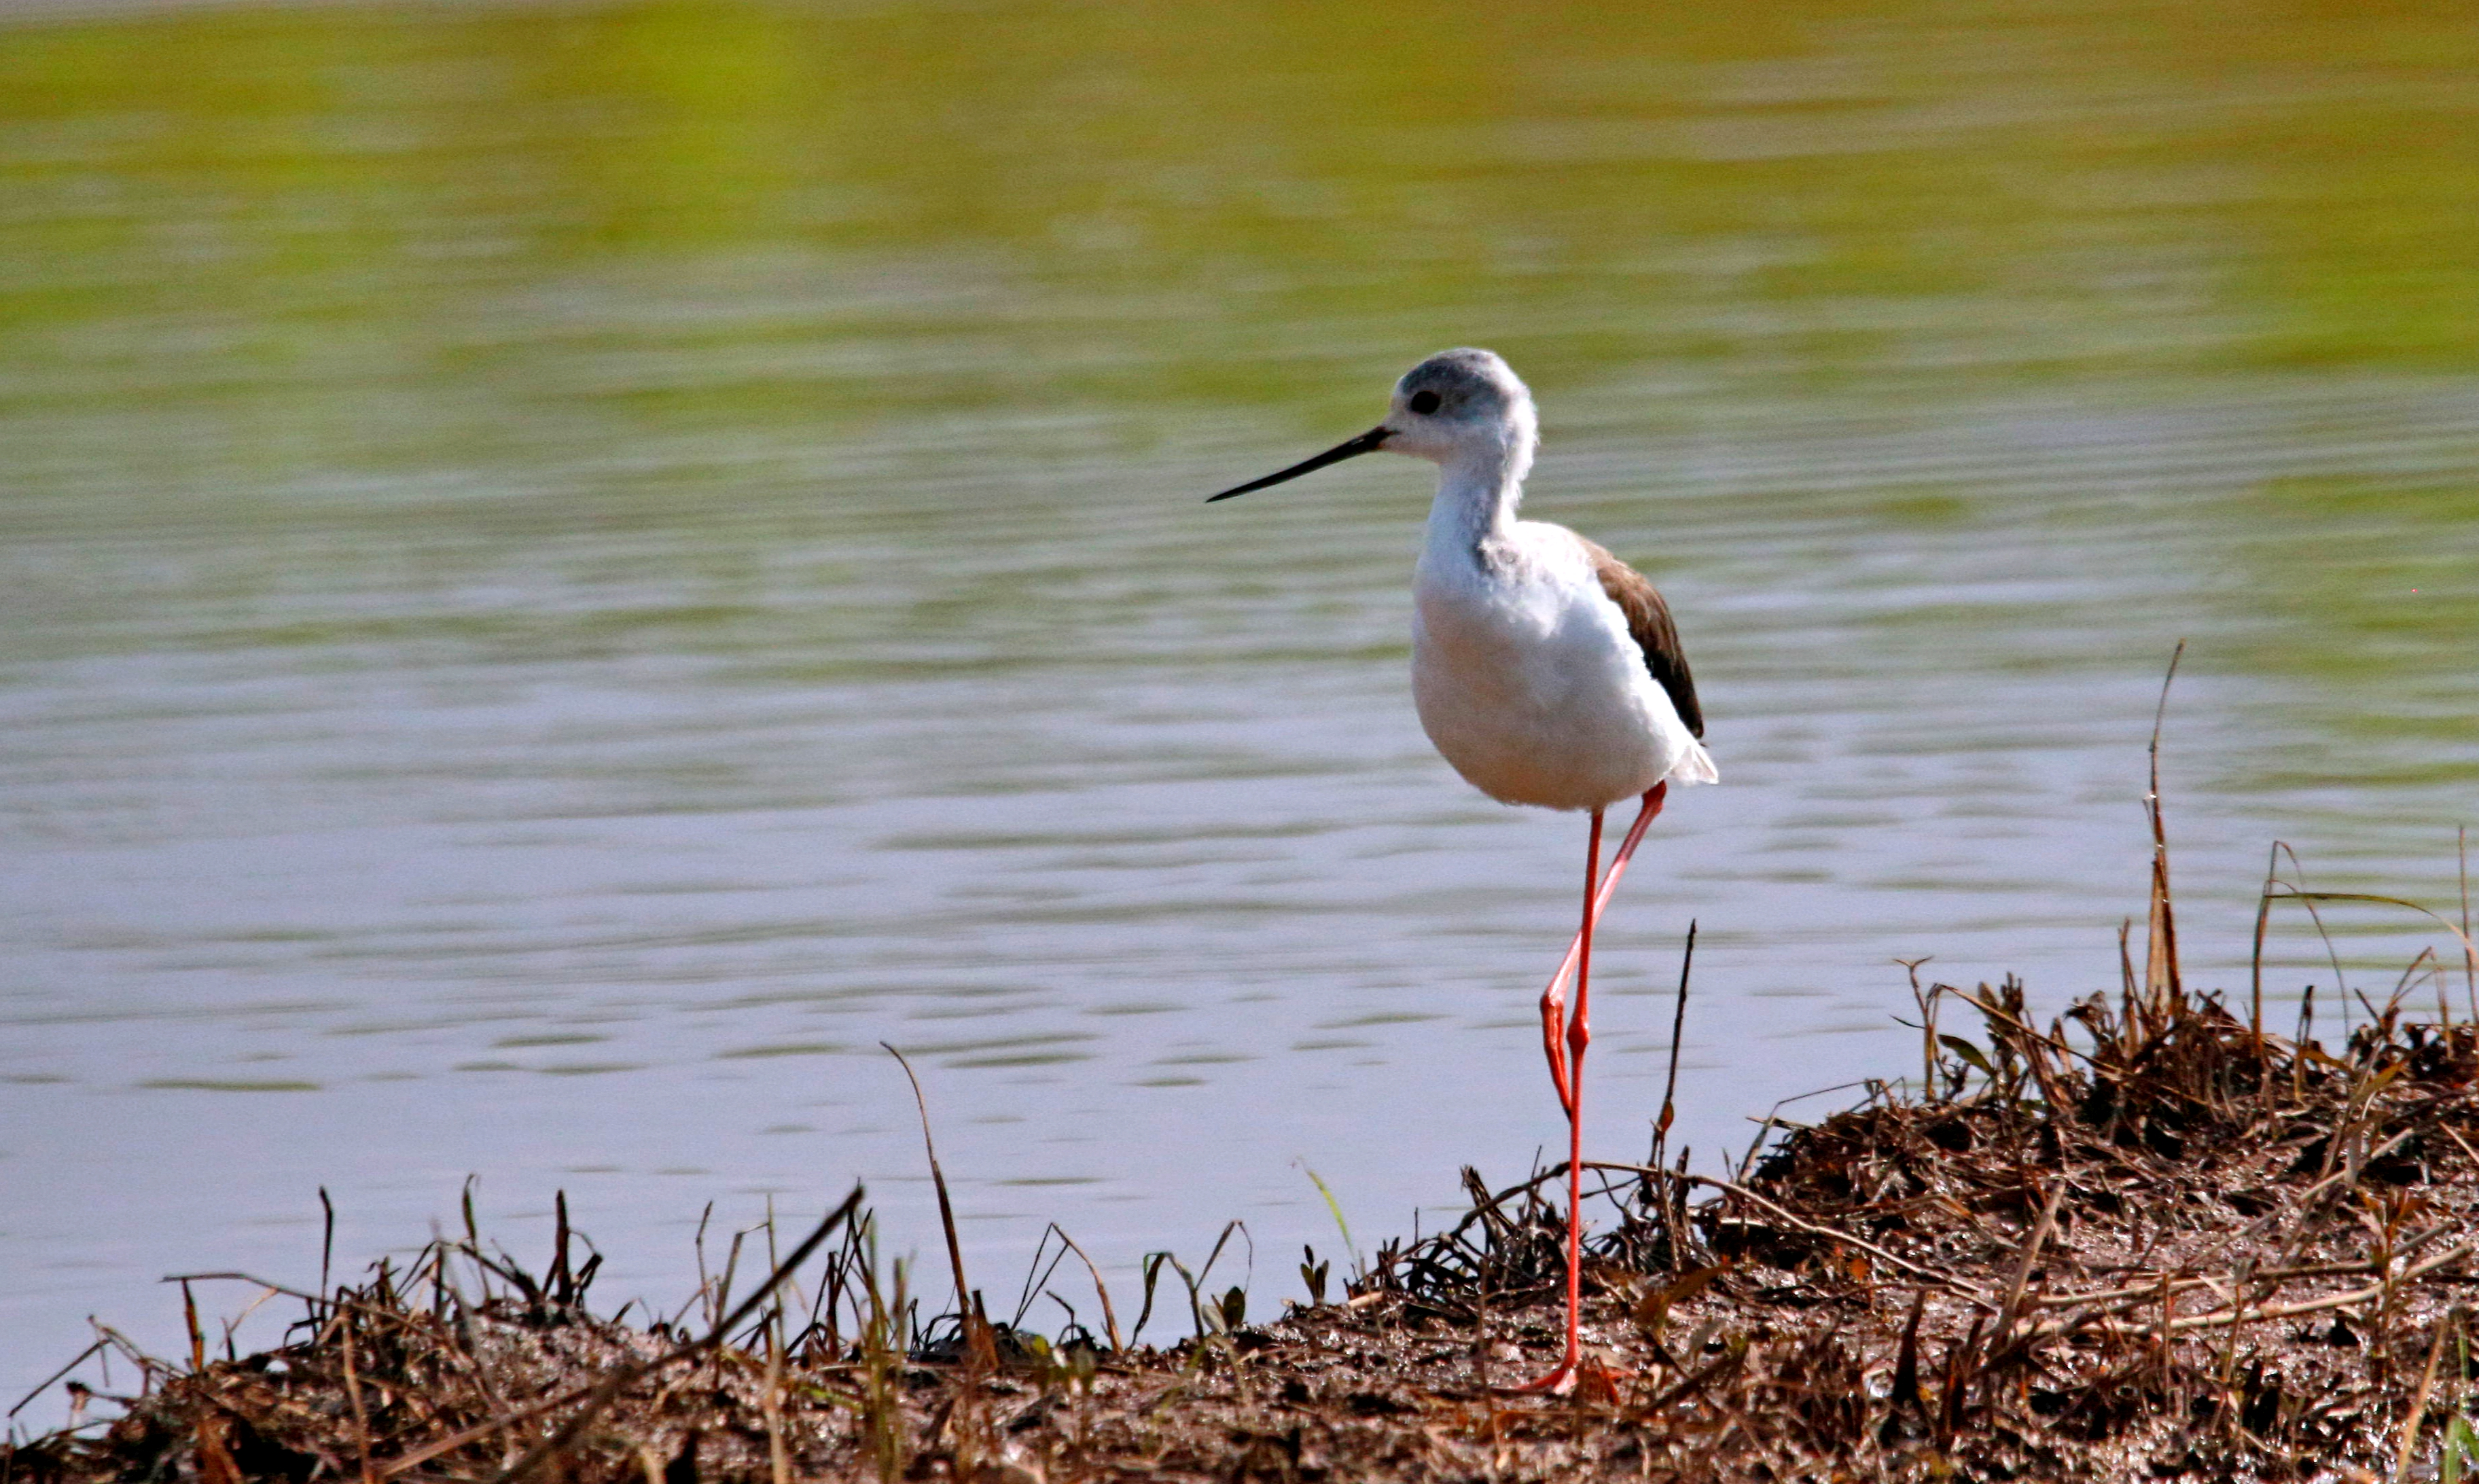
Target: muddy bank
<point>2147,1239</point>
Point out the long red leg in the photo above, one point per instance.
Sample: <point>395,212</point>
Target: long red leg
<point>1579,1034</point>
<point>1563,1038</point>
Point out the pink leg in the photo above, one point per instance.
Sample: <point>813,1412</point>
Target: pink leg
<point>1563,1038</point>
<point>1579,1034</point>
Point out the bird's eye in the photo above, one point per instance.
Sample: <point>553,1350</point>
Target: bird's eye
<point>1423,402</point>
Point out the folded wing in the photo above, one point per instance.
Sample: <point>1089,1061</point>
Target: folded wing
<point>1647,619</point>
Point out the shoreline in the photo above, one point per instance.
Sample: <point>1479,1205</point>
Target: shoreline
<point>2150,1240</point>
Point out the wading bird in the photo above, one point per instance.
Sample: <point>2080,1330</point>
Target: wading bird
<point>1546,670</point>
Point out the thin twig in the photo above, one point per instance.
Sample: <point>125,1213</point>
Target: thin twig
<point>1801,1223</point>
<point>2419,1401</point>
<point>2032,1246</point>
<point>975,1341</point>
<point>1677,1027</point>
<point>2469,952</point>
<point>361,1416</point>
<point>2161,962</point>
<point>2232,1316</point>
<point>1670,1091</point>
<point>1109,1320</point>
<point>81,1359</point>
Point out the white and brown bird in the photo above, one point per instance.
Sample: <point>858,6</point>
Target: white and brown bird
<point>1546,670</point>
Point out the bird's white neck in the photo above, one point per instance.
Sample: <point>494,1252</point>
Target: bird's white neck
<point>1477,493</point>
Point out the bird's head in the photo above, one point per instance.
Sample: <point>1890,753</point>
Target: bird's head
<point>1459,402</point>
<point>1457,406</point>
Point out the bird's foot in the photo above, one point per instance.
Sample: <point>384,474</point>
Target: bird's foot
<point>1584,1374</point>
<point>1557,1383</point>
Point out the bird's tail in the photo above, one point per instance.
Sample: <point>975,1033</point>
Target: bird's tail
<point>1696,767</point>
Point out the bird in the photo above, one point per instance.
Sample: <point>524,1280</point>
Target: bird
<point>1546,671</point>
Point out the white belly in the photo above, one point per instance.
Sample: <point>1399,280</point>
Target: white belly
<point>1530,685</point>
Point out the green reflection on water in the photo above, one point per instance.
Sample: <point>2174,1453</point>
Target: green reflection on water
<point>215,208</point>
<point>427,311</point>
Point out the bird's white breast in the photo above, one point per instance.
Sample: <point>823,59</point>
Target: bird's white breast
<point>1527,680</point>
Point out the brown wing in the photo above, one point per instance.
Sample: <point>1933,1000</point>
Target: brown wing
<point>1647,619</point>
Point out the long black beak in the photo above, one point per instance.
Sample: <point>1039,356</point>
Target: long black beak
<point>1367,442</point>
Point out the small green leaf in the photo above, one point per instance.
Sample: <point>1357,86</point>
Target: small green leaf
<point>1153,1274</point>
<point>1969,1053</point>
<point>2459,1450</point>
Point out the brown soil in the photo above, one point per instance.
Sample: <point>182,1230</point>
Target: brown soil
<point>2179,1250</point>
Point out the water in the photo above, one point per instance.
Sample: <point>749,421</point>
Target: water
<point>565,573</point>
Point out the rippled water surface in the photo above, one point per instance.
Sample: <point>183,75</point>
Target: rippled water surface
<point>565,573</point>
